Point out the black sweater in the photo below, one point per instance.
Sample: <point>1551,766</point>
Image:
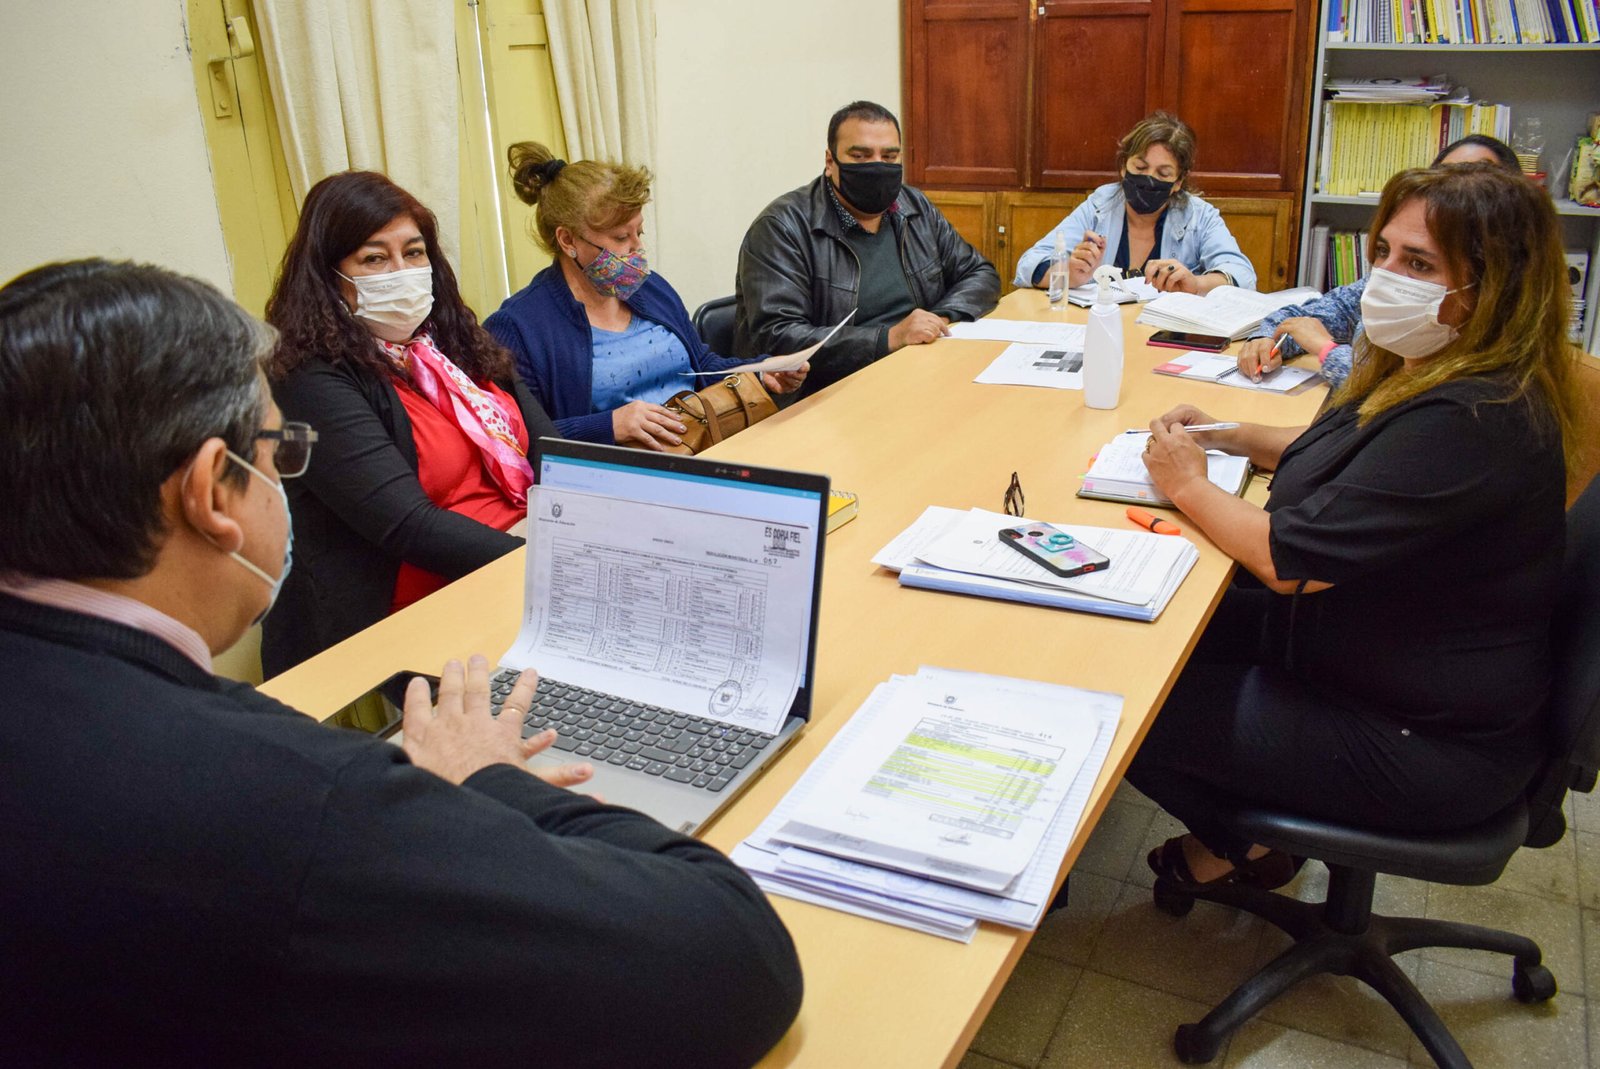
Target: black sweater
<point>196,874</point>
<point>360,510</point>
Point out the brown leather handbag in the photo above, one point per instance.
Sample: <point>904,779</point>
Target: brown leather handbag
<point>719,411</point>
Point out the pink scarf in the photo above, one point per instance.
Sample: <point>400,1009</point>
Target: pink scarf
<point>486,420</point>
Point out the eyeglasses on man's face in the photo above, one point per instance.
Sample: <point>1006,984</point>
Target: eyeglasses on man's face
<point>291,449</point>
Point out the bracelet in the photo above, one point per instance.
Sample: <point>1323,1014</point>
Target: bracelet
<point>1322,354</point>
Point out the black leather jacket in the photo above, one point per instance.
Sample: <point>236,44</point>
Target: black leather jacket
<point>798,277</point>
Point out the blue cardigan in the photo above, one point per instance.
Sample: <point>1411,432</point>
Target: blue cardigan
<point>548,334</point>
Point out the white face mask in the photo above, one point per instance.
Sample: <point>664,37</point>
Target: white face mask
<point>394,304</point>
<point>1401,314</point>
<point>288,544</point>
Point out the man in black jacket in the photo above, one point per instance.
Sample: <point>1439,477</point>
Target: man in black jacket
<point>855,238</point>
<point>195,874</point>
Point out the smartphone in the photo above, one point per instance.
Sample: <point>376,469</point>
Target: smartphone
<point>1178,339</point>
<point>380,710</point>
<point>1050,546</point>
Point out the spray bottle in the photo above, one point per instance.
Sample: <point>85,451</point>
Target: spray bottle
<point>1102,348</point>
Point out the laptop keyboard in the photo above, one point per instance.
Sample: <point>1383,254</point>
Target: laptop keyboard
<point>597,727</point>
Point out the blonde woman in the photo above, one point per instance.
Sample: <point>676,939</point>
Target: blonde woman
<point>600,339</point>
<point>1391,665</point>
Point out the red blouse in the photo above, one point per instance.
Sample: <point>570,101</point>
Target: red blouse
<point>451,471</point>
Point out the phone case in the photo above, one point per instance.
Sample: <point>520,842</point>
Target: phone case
<point>1203,348</point>
<point>1054,549</point>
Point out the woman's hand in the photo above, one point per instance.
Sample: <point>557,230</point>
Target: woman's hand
<point>640,423</point>
<point>785,381</point>
<point>1170,276</point>
<point>1086,256</point>
<point>1173,457</point>
<point>1307,332</point>
<point>1257,358</point>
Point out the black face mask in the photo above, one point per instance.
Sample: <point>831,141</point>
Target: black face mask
<point>870,187</point>
<point>1146,194</point>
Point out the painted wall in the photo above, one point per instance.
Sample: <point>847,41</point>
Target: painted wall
<point>104,153</point>
<point>744,91</point>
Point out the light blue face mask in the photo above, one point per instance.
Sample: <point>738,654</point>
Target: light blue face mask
<point>288,544</point>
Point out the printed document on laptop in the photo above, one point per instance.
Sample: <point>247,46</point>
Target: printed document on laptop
<point>696,611</point>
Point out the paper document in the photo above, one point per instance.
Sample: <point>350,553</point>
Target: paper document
<point>787,362</point>
<point>1059,366</point>
<point>885,894</point>
<point>1118,471</point>
<point>1054,335</point>
<point>1224,370</point>
<point>954,783</point>
<point>1139,560</point>
<point>1226,310</point>
<point>690,610</point>
<point>1123,291</point>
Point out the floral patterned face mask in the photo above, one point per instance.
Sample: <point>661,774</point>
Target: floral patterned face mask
<point>614,275</point>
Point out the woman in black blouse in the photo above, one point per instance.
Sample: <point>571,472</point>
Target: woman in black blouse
<point>1391,667</point>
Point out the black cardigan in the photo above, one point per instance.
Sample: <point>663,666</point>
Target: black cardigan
<point>198,875</point>
<point>359,510</point>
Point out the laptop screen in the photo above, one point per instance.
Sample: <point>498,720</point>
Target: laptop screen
<point>709,485</point>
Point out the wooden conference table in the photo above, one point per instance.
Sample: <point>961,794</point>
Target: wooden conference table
<point>911,430</point>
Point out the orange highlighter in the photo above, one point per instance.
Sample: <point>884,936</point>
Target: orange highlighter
<point>1153,523</point>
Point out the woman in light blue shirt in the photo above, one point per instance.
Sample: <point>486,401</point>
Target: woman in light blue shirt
<point>1147,223</point>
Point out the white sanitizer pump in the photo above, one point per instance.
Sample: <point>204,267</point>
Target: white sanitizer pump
<point>1103,344</point>
<point>1102,347</point>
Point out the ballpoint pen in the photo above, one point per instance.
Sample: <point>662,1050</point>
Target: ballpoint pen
<point>1193,430</point>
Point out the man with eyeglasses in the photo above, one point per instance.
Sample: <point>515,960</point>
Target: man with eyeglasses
<point>194,874</point>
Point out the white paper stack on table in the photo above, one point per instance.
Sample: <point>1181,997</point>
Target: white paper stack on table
<point>1123,291</point>
<point>1224,370</point>
<point>960,552</point>
<point>949,798</point>
<point>1118,472</point>
<point>1227,310</point>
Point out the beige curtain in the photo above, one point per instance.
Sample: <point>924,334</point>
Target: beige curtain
<point>604,55</point>
<point>371,85</point>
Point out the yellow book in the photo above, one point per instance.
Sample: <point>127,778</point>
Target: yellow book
<point>842,508</point>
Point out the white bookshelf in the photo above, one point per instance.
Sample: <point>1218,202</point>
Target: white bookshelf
<point>1560,83</point>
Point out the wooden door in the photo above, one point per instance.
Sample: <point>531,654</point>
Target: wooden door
<point>1261,227</point>
<point>966,92</point>
<point>1235,71</point>
<point>1099,72</point>
<point>973,216</point>
<point>1024,218</point>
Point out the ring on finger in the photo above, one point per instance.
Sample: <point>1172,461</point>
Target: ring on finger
<point>1148,443</point>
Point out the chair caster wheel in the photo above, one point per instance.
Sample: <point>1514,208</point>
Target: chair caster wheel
<point>1533,983</point>
<point>1192,1046</point>
<point>1172,902</point>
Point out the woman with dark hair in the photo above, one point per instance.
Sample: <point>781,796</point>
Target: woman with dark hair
<point>1328,327</point>
<point>1150,222</point>
<point>421,473</point>
<point>601,339</point>
<point>1390,669</point>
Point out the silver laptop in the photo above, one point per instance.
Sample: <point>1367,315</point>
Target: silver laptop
<point>680,765</point>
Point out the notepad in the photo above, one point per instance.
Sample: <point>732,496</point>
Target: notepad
<point>1224,370</point>
<point>1123,291</point>
<point>1227,310</point>
<point>1118,472</point>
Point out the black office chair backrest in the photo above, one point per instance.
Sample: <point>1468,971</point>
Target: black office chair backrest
<point>713,321</point>
<point>1574,720</point>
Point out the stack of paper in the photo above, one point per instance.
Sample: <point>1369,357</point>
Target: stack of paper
<point>1123,291</point>
<point>1388,90</point>
<point>949,798</point>
<point>1118,472</point>
<point>1227,310</point>
<point>960,552</point>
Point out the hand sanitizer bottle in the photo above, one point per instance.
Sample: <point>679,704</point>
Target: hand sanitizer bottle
<point>1102,347</point>
<point>1058,274</point>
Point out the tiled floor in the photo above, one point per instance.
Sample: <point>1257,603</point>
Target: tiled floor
<point>1106,980</point>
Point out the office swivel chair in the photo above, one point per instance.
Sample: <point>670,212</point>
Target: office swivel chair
<point>1341,935</point>
<point>713,321</point>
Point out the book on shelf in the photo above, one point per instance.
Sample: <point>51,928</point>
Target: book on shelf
<point>1227,310</point>
<point>1365,142</point>
<point>1464,21</point>
<point>1578,278</point>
